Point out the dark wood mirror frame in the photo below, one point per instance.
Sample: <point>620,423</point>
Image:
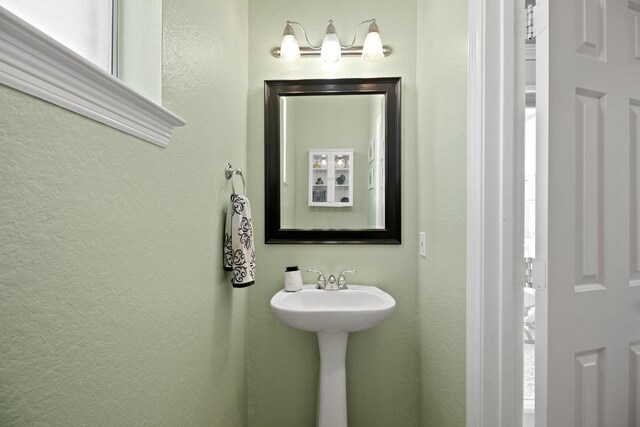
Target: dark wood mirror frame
<point>387,86</point>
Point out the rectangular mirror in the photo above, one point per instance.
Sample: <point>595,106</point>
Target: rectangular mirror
<point>332,161</point>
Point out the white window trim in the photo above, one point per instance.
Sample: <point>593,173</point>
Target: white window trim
<point>34,63</point>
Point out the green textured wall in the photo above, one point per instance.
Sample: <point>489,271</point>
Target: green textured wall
<point>382,363</point>
<point>442,100</point>
<point>114,309</point>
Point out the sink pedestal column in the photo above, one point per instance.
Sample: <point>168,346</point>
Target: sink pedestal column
<point>332,390</point>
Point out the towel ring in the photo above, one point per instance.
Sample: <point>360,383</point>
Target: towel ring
<point>230,172</point>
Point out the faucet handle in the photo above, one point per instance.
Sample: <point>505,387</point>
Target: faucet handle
<point>321,283</point>
<point>342,281</point>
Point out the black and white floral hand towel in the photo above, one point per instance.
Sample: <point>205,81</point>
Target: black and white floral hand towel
<point>239,254</point>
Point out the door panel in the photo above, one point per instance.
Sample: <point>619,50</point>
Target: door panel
<point>634,384</point>
<point>588,220</point>
<point>634,199</point>
<point>589,180</point>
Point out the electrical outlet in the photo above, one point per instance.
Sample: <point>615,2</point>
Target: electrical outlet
<point>423,244</point>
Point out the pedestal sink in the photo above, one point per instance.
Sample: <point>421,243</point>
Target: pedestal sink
<point>332,315</point>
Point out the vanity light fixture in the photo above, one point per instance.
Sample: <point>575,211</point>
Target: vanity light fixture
<point>331,50</point>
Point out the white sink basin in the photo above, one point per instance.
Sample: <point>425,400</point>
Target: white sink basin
<point>348,310</point>
<point>333,315</point>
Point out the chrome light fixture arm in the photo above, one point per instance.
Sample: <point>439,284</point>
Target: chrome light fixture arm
<point>355,35</point>
<point>305,35</point>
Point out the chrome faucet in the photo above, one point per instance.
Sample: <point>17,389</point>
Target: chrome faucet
<point>332,285</point>
<point>321,283</point>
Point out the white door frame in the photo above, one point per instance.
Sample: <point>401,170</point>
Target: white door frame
<point>491,227</point>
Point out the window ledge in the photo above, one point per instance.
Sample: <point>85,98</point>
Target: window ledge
<point>34,63</point>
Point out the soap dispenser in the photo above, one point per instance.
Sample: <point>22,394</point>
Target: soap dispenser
<point>292,279</point>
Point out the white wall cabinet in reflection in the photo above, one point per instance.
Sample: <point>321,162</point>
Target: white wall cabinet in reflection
<point>331,178</point>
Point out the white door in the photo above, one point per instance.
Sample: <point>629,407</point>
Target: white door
<point>588,214</point>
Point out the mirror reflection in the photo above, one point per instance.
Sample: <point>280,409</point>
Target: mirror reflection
<point>332,165</point>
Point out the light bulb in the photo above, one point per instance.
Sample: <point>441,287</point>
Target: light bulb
<point>289,50</point>
<point>330,51</point>
<point>372,49</point>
